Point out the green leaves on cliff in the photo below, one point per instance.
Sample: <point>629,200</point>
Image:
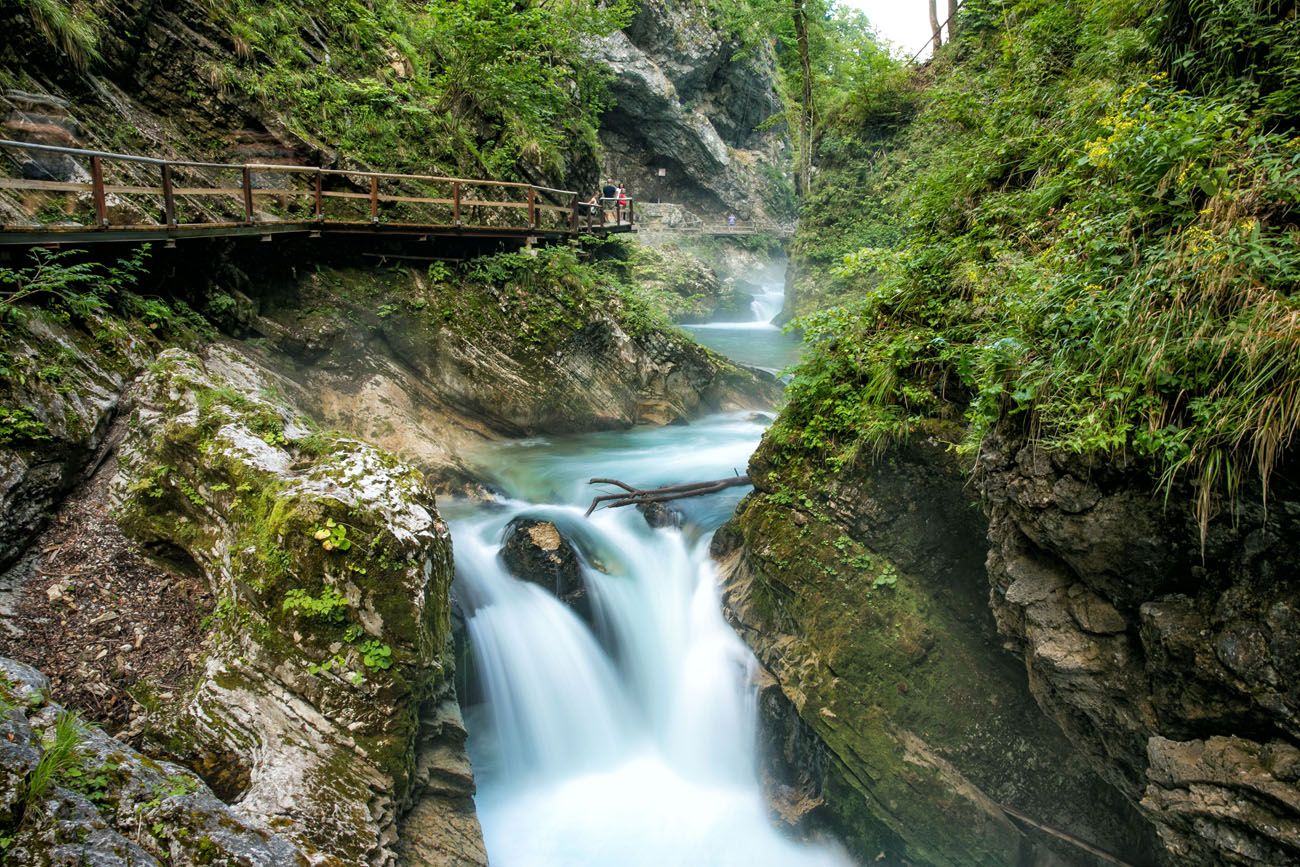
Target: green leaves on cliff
<point>493,87</point>
<point>1068,240</point>
<point>71,26</point>
<point>70,284</point>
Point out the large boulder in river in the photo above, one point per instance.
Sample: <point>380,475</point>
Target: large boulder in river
<point>535,550</point>
<point>325,707</point>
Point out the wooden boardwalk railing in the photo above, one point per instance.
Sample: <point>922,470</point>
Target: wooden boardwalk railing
<point>70,195</point>
<point>690,224</point>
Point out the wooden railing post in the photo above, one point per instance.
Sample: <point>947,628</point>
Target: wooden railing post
<point>169,195</point>
<point>320,197</point>
<point>575,216</point>
<point>374,199</point>
<point>248,196</point>
<point>631,212</point>
<point>532,208</point>
<point>97,192</point>
<point>455,203</point>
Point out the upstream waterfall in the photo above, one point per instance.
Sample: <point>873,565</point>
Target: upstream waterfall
<point>630,740</point>
<point>756,342</point>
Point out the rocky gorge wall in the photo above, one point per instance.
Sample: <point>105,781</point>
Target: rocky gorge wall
<point>687,99</point>
<point>1123,658</point>
<point>1169,661</point>
<point>284,468</point>
<point>894,719</point>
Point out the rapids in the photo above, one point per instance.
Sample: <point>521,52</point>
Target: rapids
<point>631,742</point>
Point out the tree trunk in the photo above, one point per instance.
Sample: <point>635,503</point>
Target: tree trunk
<point>806,108</point>
<point>937,39</point>
<point>952,20</point>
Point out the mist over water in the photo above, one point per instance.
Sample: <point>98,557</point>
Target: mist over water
<point>758,342</point>
<point>629,741</point>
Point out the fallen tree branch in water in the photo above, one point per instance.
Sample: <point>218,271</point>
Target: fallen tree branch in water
<point>636,496</point>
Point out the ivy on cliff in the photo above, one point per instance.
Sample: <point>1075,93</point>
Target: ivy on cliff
<point>1080,221</point>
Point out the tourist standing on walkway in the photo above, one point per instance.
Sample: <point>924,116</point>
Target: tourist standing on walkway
<point>610,194</point>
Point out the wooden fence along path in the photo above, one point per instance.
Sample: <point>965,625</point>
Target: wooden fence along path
<point>691,224</point>
<point>77,196</point>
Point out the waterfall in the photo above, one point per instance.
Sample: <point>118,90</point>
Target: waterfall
<point>630,741</point>
<point>767,303</point>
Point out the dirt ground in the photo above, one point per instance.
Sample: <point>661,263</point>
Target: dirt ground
<point>110,627</point>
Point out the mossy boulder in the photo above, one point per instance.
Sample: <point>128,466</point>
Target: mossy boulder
<point>106,803</point>
<point>332,570</point>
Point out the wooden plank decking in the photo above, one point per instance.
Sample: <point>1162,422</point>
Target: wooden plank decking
<point>86,197</point>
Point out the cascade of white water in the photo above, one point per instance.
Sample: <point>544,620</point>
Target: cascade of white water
<point>637,747</point>
<point>767,304</point>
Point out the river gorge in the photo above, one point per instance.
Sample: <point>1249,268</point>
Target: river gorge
<point>318,344</point>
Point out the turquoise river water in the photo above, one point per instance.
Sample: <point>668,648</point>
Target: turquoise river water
<point>632,741</point>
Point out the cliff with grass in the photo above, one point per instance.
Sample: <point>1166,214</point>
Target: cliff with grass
<point>1064,252</point>
<point>218,462</point>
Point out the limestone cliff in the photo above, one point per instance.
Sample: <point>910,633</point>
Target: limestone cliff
<point>689,101</point>
<point>1170,663</point>
<point>894,717</point>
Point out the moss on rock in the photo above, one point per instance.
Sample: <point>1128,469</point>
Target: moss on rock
<point>336,569</point>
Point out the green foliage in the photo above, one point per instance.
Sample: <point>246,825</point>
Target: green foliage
<point>336,661</point>
<point>333,536</point>
<point>1063,239</point>
<point>330,607</point>
<point>71,27</point>
<point>494,87</point>
<point>377,655</point>
<point>72,286</point>
<point>20,426</point>
<point>60,754</point>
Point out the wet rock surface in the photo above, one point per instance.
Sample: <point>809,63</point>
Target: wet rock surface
<point>536,551</point>
<point>1171,665</point>
<point>893,717</point>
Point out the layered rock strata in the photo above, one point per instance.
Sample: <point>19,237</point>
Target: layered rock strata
<point>104,803</point>
<point>894,717</point>
<point>1171,662</point>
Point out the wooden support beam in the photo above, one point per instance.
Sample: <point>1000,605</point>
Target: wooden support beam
<point>169,195</point>
<point>248,195</point>
<point>97,192</point>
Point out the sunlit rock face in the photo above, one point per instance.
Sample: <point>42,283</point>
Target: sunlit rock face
<point>685,101</point>
<point>325,707</point>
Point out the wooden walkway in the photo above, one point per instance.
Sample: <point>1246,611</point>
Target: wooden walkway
<point>721,228</point>
<point>76,196</point>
